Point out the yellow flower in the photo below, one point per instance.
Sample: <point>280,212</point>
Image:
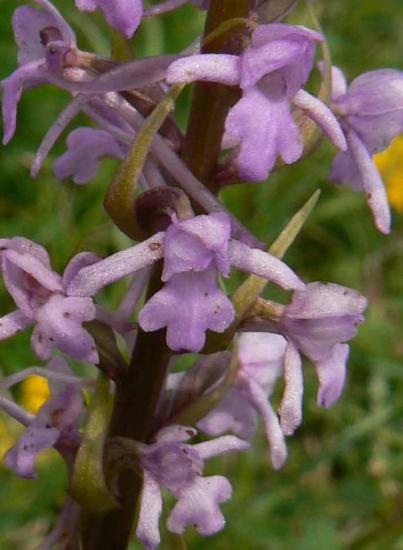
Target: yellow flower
<point>390,165</point>
<point>35,391</point>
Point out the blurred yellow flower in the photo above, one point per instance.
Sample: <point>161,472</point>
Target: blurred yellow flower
<point>390,165</point>
<point>35,391</point>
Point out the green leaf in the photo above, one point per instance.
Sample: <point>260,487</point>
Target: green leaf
<point>88,484</point>
<point>119,199</point>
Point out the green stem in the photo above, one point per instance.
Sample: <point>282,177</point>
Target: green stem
<point>136,399</point>
<point>211,102</point>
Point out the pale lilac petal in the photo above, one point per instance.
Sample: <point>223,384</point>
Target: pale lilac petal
<point>198,506</point>
<point>274,433</point>
<point>123,15</point>
<point>61,24</point>
<point>261,357</point>
<point>263,264</point>
<point>149,514</point>
<point>232,414</point>
<point>286,49</point>
<point>344,171</point>
<point>163,7</point>
<point>220,68</point>
<point>13,323</point>
<point>21,457</point>
<point>29,75</point>
<point>28,281</point>
<point>79,261</point>
<point>194,244</point>
<point>269,57</point>
<point>27,24</point>
<point>339,82</point>
<point>220,445</point>
<point>54,132</point>
<point>278,31</point>
<point>89,280</point>
<point>85,148</point>
<point>124,77</point>
<point>25,246</point>
<point>371,181</point>
<point>261,121</point>
<point>322,116</point>
<point>319,300</point>
<point>332,374</point>
<point>321,316</point>
<point>175,432</point>
<point>59,327</point>
<point>188,305</point>
<point>291,403</point>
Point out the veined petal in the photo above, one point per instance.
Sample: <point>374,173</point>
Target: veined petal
<point>262,122</point>
<point>371,182</point>
<point>13,323</point>
<point>291,403</point>
<point>221,68</point>
<point>232,414</point>
<point>274,433</point>
<point>62,25</point>
<point>198,505</point>
<point>188,305</point>
<point>124,77</point>
<point>221,445</point>
<point>31,74</point>
<point>124,15</point>
<point>320,300</point>
<point>150,511</point>
<point>27,24</point>
<point>323,116</point>
<point>263,264</point>
<point>89,280</point>
<point>85,148</point>
<point>332,374</point>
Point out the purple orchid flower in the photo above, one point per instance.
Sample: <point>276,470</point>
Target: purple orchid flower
<point>39,294</point>
<point>43,38</point>
<point>55,424</point>
<point>370,112</point>
<point>177,466</point>
<point>271,73</point>
<point>123,15</point>
<point>261,358</point>
<point>195,251</point>
<point>317,322</point>
<point>85,148</point>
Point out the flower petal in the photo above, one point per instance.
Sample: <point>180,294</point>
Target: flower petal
<point>29,75</point>
<point>220,68</point>
<point>198,506</point>
<point>371,182</point>
<point>149,514</point>
<point>332,374</point>
<point>86,147</point>
<point>263,264</point>
<point>188,305</point>
<point>291,403</point>
<point>89,280</point>
<point>123,15</point>
<point>323,116</point>
<point>13,323</point>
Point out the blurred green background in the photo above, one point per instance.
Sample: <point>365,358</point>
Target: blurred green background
<point>342,486</point>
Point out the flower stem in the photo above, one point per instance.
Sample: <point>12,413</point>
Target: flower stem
<point>137,395</point>
<point>211,102</point>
